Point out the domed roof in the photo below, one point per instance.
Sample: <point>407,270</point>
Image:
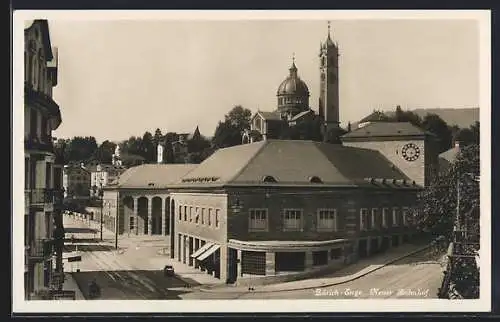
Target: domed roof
<point>293,85</point>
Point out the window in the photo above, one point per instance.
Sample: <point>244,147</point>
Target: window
<point>394,217</point>
<point>385,212</point>
<point>374,216</point>
<point>197,216</point>
<point>257,220</point>
<point>327,220</point>
<point>185,213</point>
<point>202,216</point>
<point>190,214</point>
<point>209,216</point>
<point>217,218</point>
<point>363,219</point>
<point>405,216</point>
<point>292,220</point>
<point>131,224</point>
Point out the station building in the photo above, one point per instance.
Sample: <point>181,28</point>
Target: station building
<point>137,202</point>
<point>278,206</point>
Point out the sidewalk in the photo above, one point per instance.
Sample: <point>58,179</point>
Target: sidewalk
<point>70,285</point>
<point>340,277</point>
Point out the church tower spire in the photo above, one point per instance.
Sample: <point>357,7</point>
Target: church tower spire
<point>329,86</point>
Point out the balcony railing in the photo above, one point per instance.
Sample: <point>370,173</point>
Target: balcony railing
<point>42,144</point>
<point>41,248</point>
<point>39,98</point>
<point>43,196</point>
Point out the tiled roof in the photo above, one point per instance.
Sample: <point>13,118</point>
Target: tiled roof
<point>152,175</point>
<point>291,162</point>
<point>301,114</point>
<point>273,116</point>
<point>447,158</point>
<point>384,129</point>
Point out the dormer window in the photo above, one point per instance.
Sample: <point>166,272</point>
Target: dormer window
<point>315,179</point>
<point>268,179</point>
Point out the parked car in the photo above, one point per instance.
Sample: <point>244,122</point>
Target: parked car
<point>168,270</point>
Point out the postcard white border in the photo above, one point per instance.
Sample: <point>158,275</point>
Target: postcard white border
<point>19,305</point>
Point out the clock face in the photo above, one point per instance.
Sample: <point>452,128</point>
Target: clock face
<point>410,152</point>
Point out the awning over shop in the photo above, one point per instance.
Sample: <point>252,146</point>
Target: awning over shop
<point>201,250</point>
<point>208,252</point>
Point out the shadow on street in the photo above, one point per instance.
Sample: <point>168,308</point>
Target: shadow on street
<point>80,230</point>
<point>133,285</point>
<point>88,248</point>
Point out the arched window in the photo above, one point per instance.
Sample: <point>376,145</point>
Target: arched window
<point>268,179</point>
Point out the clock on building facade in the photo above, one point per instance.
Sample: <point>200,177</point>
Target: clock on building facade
<point>410,152</point>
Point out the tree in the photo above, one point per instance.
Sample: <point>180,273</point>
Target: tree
<point>229,132</point>
<point>475,133</point>
<point>132,146</point>
<point>239,117</point>
<point>148,148</point>
<point>81,149</point>
<point>436,125</point>
<point>61,150</point>
<point>131,160</point>
<point>105,151</point>
<point>465,137</point>
<point>405,116</point>
<point>437,204</point>
<point>158,137</point>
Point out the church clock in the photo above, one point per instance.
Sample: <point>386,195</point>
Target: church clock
<point>410,152</point>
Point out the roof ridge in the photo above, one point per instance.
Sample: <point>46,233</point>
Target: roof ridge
<point>265,142</point>
<point>319,146</point>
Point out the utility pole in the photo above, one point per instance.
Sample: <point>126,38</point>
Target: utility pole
<point>116,223</point>
<point>101,193</point>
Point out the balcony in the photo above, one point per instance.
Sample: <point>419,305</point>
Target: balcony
<point>43,196</point>
<point>42,144</point>
<point>42,100</point>
<point>40,249</point>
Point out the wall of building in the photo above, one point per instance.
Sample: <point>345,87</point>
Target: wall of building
<point>186,228</point>
<point>347,203</point>
<point>392,148</point>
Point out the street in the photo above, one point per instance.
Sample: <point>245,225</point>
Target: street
<point>135,271</point>
<point>417,276</point>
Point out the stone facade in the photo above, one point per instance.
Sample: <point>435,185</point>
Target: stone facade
<point>242,248</point>
<point>421,170</point>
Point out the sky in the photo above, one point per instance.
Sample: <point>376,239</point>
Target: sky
<point>119,78</point>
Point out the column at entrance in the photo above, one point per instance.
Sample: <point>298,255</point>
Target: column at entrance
<point>308,264</point>
<point>136,216</point>
<point>164,208</point>
<point>270,263</point>
<point>150,216</point>
<point>196,247</point>
<point>238,261</point>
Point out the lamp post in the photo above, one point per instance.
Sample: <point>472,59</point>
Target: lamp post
<point>101,194</point>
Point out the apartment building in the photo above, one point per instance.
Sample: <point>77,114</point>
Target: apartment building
<point>44,233</point>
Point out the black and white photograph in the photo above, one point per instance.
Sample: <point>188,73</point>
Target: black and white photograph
<point>244,161</point>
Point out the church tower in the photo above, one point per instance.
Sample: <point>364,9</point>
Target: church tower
<point>329,85</point>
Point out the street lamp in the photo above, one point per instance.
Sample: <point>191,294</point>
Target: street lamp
<point>101,194</point>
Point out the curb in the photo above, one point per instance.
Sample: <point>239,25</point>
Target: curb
<point>323,285</point>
